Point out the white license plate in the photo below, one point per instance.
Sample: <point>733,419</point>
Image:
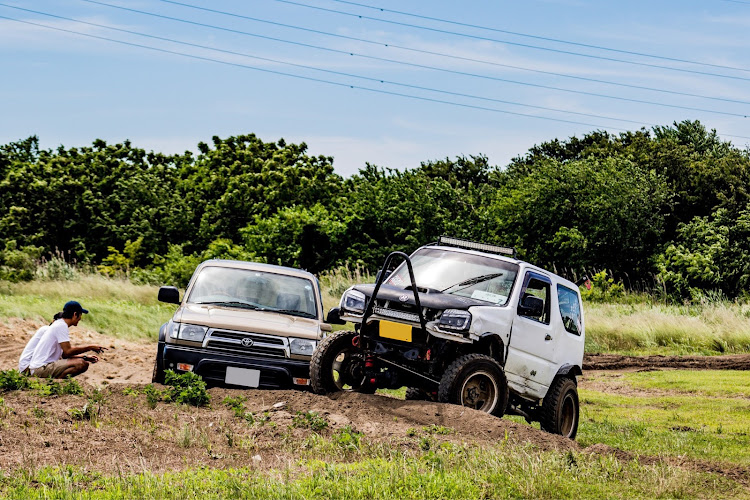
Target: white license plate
<point>242,376</point>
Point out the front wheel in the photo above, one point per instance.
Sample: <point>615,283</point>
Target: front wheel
<point>560,408</point>
<point>476,381</point>
<point>337,365</point>
<point>158,375</point>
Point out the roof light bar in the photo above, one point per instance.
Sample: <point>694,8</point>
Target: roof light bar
<point>473,245</point>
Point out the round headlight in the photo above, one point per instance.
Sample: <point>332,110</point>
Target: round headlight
<point>455,320</point>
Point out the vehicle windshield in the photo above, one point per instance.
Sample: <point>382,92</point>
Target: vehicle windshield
<point>459,273</point>
<point>258,290</point>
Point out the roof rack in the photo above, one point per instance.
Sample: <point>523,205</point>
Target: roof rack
<point>473,245</point>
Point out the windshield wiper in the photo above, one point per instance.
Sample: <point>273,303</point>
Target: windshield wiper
<point>236,303</point>
<point>293,312</point>
<point>474,281</point>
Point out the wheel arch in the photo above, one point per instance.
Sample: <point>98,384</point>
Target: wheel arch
<point>568,370</point>
<point>492,345</point>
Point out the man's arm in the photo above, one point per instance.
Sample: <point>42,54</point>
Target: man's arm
<point>70,351</point>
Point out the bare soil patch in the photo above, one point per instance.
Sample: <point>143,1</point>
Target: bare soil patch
<point>618,362</point>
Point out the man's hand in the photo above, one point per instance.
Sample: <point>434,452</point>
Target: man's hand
<point>97,349</point>
<point>91,359</point>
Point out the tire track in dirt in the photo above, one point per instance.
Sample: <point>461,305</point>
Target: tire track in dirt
<point>657,362</point>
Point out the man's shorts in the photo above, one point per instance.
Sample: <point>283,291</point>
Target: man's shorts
<point>52,370</point>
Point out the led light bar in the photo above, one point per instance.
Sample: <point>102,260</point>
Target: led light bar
<point>473,245</point>
<point>390,313</point>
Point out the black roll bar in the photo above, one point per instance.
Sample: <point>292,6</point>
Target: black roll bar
<point>383,277</point>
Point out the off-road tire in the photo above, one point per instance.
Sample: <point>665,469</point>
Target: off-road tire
<point>158,376</point>
<point>560,408</point>
<point>321,365</point>
<point>415,394</point>
<point>471,373</point>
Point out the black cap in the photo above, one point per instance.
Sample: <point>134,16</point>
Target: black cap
<point>74,307</point>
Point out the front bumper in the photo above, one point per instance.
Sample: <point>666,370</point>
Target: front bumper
<point>275,373</point>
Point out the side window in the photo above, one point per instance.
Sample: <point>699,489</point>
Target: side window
<point>570,309</point>
<point>535,299</point>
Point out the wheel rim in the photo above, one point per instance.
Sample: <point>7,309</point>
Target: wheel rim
<point>567,415</point>
<point>479,391</point>
<point>346,370</point>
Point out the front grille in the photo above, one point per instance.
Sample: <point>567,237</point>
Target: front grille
<point>262,345</point>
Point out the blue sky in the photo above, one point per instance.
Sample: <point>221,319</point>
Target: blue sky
<point>70,89</point>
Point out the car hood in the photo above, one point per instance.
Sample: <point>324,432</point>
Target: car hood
<point>266,322</point>
<point>432,300</point>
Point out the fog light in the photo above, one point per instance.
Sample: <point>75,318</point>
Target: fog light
<point>301,381</point>
<point>184,367</point>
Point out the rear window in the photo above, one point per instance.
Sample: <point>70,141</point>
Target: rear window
<point>570,309</point>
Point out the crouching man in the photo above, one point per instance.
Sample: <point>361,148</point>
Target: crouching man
<point>53,356</point>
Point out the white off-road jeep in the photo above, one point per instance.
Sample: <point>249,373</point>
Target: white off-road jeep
<point>465,323</point>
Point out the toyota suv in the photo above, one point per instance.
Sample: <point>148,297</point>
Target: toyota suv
<point>243,324</point>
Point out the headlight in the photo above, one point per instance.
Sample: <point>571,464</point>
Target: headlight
<point>302,346</point>
<point>194,333</point>
<point>353,301</point>
<point>455,320</point>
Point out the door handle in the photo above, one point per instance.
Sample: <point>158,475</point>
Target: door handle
<point>548,337</point>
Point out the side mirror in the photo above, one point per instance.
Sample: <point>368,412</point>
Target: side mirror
<point>380,273</point>
<point>531,306</point>
<point>334,317</point>
<point>169,294</point>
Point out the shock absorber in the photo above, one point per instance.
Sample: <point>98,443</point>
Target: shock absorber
<point>369,366</point>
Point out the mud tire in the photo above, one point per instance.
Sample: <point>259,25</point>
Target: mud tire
<point>476,381</point>
<point>337,350</point>
<point>158,375</point>
<point>560,408</point>
<point>414,394</point>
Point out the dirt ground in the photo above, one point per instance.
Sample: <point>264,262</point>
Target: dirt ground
<point>127,436</point>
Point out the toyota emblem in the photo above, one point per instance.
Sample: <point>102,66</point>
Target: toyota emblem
<point>403,298</point>
<point>247,342</point>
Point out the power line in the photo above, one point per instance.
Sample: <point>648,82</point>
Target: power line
<point>318,80</point>
<point>548,39</point>
<point>350,53</point>
<point>487,39</point>
<point>338,73</point>
<point>451,56</point>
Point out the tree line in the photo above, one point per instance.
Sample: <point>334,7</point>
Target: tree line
<point>669,205</point>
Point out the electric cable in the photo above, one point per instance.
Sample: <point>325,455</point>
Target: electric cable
<point>536,47</point>
<point>538,37</point>
<point>339,73</point>
<point>450,56</point>
<point>349,53</point>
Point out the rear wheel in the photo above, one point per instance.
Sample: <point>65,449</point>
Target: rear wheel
<point>336,365</point>
<point>476,381</point>
<point>415,394</point>
<point>560,409</point>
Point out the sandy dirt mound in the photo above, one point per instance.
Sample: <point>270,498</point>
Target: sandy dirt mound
<point>122,362</point>
<point>128,436</point>
<point>617,362</point>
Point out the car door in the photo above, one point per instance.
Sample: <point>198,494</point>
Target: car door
<point>532,344</point>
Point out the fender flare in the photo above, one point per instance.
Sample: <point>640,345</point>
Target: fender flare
<point>496,337</point>
<point>568,369</point>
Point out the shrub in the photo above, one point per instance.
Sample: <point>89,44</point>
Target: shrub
<point>13,380</point>
<point>310,420</point>
<point>187,388</point>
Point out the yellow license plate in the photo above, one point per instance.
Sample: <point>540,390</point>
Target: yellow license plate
<point>395,331</point>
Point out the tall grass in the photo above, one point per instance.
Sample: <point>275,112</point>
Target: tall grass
<point>715,327</point>
<point>636,325</point>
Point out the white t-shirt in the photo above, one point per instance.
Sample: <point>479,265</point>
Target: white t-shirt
<point>48,349</point>
<point>28,351</point>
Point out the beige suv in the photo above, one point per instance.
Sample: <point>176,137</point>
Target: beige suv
<point>243,324</point>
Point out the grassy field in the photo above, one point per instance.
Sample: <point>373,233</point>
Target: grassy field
<point>677,444</point>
